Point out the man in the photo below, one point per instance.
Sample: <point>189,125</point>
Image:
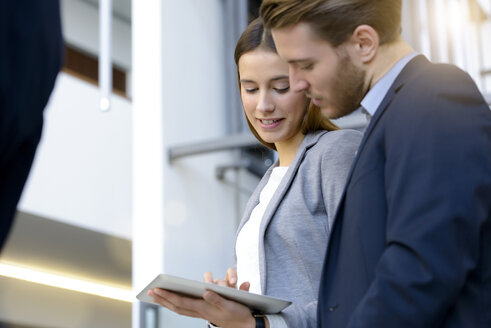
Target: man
<point>411,240</point>
<point>30,58</point>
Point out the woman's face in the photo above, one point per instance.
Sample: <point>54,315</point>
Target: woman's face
<point>274,111</point>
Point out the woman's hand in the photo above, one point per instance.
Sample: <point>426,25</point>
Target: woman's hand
<point>212,307</point>
<point>229,281</point>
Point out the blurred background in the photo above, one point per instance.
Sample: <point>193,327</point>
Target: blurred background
<point>146,162</point>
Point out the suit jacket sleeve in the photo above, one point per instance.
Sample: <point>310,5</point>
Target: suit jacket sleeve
<point>31,48</point>
<point>438,191</point>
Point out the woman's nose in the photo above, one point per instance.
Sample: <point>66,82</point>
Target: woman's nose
<point>265,103</point>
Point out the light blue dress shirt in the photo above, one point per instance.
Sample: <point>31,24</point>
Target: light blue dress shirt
<point>376,94</point>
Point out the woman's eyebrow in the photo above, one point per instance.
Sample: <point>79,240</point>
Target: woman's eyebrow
<point>276,78</point>
<point>281,77</point>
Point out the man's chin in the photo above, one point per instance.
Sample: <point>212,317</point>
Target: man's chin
<point>335,113</point>
<point>331,113</point>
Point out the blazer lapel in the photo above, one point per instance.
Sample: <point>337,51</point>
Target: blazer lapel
<point>309,141</point>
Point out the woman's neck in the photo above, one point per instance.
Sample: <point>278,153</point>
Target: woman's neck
<point>287,150</point>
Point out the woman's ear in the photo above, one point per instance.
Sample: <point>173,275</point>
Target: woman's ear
<point>366,41</point>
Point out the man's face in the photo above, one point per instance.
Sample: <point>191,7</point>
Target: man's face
<point>326,74</point>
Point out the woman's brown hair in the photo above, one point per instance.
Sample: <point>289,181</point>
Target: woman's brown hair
<point>256,37</point>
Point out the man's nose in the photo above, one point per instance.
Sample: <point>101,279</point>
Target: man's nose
<point>297,82</point>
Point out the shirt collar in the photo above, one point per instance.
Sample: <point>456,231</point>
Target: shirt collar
<point>376,94</point>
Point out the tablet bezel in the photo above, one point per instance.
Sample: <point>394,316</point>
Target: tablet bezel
<point>192,288</point>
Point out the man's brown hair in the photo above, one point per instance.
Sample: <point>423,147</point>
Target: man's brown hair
<point>335,20</point>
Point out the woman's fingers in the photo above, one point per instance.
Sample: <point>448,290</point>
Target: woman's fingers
<point>211,307</point>
<point>213,299</point>
<point>229,313</point>
<point>229,281</point>
<point>208,277</point>
<point>229,308</point>
<point>221,282</point>
<point>231,277</point>
<point>245,286</point>
<point>181,305</point>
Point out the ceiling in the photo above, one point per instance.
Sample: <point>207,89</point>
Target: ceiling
<point>57,247</point>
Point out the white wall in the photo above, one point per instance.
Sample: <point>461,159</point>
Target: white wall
<point>82,171</point>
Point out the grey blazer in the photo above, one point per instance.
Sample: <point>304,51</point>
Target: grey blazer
<point>296,224</point>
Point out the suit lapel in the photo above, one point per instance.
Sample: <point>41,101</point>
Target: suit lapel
<point>412,66</point>
<point>405,74</point>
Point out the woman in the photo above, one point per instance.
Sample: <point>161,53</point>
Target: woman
<point>292,208</point>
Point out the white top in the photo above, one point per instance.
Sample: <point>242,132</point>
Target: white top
<point>247,246</point>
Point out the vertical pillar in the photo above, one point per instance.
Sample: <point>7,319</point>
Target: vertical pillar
<point>183,216</point>
<point>148,148</point>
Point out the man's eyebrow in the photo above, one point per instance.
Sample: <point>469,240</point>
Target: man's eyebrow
<point>298,61</point>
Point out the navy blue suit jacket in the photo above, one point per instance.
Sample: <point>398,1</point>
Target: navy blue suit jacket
<point>411,242</point>
<point>30,57</point>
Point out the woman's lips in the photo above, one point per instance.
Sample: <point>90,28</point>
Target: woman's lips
<point>269,123</point>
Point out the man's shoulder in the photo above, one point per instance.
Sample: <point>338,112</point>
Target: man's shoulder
<point>436,102</point>
<point>429,90</point>
<point>432,77</point>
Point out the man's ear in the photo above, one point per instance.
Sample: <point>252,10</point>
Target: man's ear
<point>366,41</point>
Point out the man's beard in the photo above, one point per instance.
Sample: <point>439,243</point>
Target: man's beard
<point>347,89</point>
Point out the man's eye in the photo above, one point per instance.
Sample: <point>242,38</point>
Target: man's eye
<point>307,67</point>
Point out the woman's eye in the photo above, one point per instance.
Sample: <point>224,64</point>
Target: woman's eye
<point>282,90</point>
<point>250,90</point>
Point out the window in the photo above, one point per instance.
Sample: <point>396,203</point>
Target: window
<point>86,67</point>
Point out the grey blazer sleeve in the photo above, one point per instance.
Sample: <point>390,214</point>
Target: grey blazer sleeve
<point>336,165</point>
<point>326,166</point>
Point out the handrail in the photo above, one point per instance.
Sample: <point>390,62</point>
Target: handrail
<point>235,141</point>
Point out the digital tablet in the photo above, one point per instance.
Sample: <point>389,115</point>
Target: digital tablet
<point>195,289</point>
